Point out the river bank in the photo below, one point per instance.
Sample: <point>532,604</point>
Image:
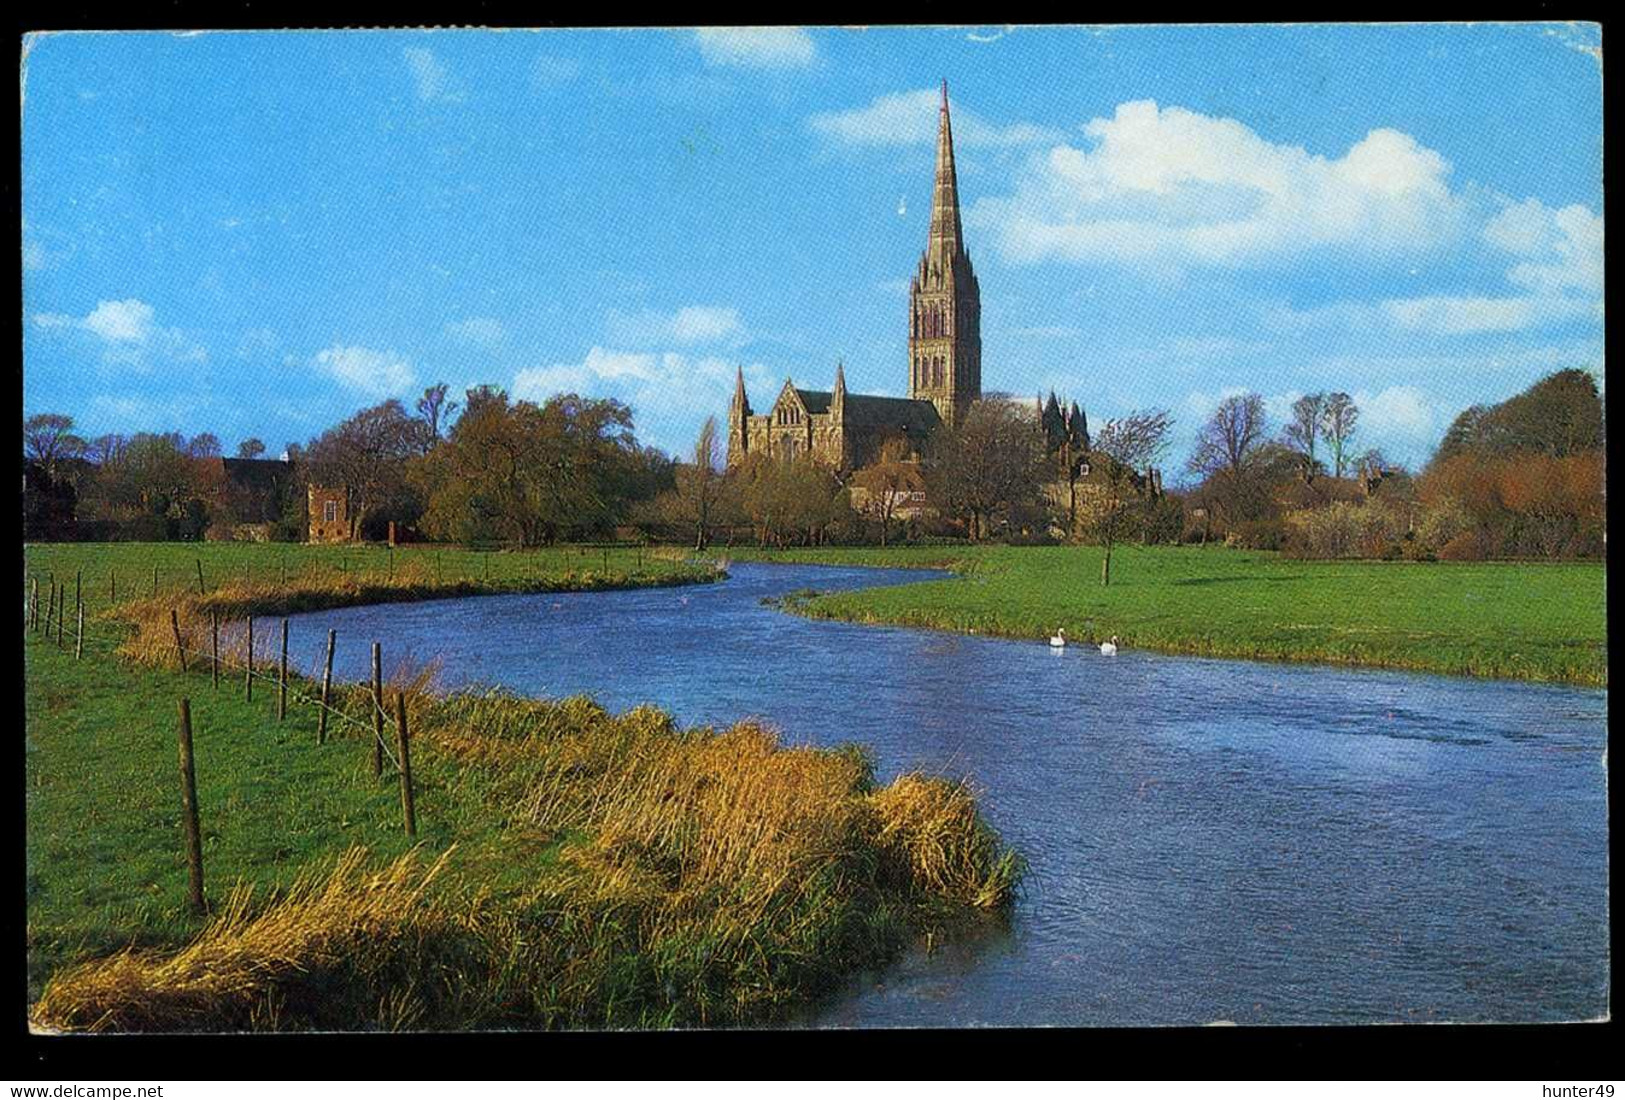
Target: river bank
<point>1501,620</point>
<point>572,868</point>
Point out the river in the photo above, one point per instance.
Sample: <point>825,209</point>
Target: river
<point>1209,840</point>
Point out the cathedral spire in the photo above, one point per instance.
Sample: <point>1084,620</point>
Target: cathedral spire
<point>740,400</point>
<point>947,240</point>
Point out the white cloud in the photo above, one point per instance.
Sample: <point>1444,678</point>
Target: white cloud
<point>757,47</point>
<point>1398,412</point>
<point>1445,315</point>
<point>433,83</point>
<point>714,325</point>
<point>659,383</point>
<point>127,334</point>
<point>1171,188</point>
<point>484,332</point>
<point>375,373</point>
<point>910,118</point>
<point>1561,250</point>
<point>551,72</point>
<point>125,322</point>
<point>257,343</point>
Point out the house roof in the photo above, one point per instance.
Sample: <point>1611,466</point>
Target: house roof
<point>256,473</point>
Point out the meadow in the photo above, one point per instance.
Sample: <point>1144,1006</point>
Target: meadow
<point>571,867</point>
<point>1515,620</point>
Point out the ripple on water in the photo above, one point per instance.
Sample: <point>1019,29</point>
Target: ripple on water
<point>1208,839</point>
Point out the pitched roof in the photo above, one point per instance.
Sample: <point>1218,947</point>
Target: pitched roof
<point>817,401</point>
<point>911,414</point>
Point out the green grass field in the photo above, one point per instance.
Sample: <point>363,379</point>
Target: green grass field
<point>1515,620</point>
<point>126,568</point>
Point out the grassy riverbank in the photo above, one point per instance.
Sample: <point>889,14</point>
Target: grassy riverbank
<point>1531,621</point>
<point>572,868</point>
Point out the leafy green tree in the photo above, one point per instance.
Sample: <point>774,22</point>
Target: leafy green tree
<point>530,475</point>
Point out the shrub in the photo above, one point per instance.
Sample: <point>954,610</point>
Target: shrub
<point>1343,529</point>
<point>1256,534</point>
<point>1467,546</point>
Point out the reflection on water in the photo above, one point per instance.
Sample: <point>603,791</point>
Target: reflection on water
<point>1208,839</point>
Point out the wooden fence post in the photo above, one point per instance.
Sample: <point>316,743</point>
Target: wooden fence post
<point>33,604</point>
<point>175,625</point>
<point>214,638</point>
<point>50,607</point>
<point>200,576</point>
<point>79,637</point>
<point>401,747</point>
<point>327,683</point>
<point>155,580</point>
<point>194,834</point>
<point>282,677</point>
<point>78,578</point>
<point>248,665</point>
<point>112,586</point>
<point>377,711</point>
<point>61,612</point>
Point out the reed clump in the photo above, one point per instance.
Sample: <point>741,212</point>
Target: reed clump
<point>152,638</point>
<point>340,947</point>
<point>690,877</point>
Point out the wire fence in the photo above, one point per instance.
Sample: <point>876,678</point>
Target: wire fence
<point>51,617</point>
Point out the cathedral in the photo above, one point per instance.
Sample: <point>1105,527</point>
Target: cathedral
<point>847,430</point>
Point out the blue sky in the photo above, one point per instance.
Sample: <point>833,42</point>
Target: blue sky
<point>259,233</point>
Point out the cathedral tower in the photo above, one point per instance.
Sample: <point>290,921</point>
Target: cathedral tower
<point>945,303</point>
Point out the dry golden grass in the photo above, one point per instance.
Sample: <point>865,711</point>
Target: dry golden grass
<point>253,970</point>
<point>673,877</point>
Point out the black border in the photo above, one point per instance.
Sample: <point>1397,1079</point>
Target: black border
<point>1559,1053</point>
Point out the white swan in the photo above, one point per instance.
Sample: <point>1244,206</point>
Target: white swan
<point>1058,639</point>
<point>1109,649</point>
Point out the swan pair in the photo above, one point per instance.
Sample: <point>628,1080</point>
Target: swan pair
<point>1107,649</point>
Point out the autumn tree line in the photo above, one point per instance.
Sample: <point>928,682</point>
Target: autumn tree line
<point>1519,479</point>
<point>1522,479</point>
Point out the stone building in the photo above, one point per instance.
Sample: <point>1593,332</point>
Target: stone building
<point>847,430</point>
<point>329,514</point>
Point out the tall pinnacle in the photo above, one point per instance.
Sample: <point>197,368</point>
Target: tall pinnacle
<point>946,238</point>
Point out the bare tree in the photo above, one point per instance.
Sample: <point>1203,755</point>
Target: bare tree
<point>435,411</point>
<point>1337,422</point>
<point>1121,448</point>
<point>988,463</point>
<point>105,449</point>
<point>1232,437</point>
<point>699,486</point>
<point>48,439</point>
<point>367,455</point>
<point>887,482</point>
<point>251,448</point>
<point>1303,429</point>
